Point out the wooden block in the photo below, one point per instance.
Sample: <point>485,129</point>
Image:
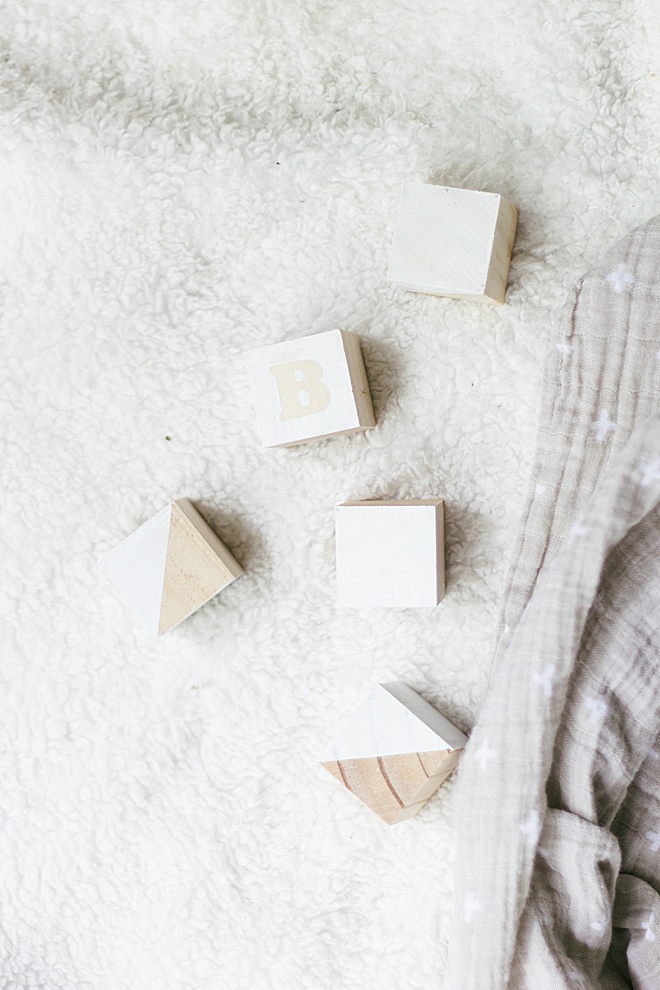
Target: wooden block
<point>453,242</point>
<point>170,566</point>
<point>394,752</point>
<point>310,388</point>
<point>390,554</point>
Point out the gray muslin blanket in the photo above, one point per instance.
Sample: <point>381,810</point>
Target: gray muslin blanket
<point>558,795</point>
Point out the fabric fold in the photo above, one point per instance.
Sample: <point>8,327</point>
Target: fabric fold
<point>572,707</point>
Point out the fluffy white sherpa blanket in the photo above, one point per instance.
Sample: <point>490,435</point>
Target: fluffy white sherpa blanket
<point>180,182</point>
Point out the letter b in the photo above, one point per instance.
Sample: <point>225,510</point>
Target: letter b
<point>301,390</point>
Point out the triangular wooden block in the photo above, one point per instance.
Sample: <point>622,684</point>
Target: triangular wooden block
<point>170,566</point>
<point>394,752</point>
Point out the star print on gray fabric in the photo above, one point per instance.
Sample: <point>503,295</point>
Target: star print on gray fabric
<point>470,907</point>
<point>620,279</point>
<point>650,472</point>
<point>649,936</point>
<point>597,709</point>
<point>577,530</point>
<point>484,754</point>
<point>532,827</point>
<point>602,426</point>
<point>546,679</point>
<point>654,840</point>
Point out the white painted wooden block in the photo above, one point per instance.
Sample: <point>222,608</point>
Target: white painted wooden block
<point>394,752</point>
<point>390,554</point>
<point>310,388</point>
<point>170,566</point>
<point>453,242</point>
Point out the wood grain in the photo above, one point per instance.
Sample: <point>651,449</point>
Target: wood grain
<point>391,785</point>
<point>394,752</point>
<point>197,567</point>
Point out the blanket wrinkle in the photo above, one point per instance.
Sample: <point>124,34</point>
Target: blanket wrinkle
<point>572,735</point>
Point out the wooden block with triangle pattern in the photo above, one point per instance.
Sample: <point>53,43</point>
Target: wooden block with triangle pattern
<point>394,752</point>
<point>171,566</point>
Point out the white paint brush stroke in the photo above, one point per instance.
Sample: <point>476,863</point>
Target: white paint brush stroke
<point>393,720</point>
<point>137,567</point>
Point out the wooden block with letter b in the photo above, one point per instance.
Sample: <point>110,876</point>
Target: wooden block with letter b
<point>453,242</point>
<point>310,388</point>
<point>170,566</point>
<point>390,554</point>
<point>394,752</point>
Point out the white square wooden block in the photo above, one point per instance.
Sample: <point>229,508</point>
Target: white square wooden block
<point>310,388</point>
<point>453,242</point>
<point>390,554</point>
<point>170,566</point>
<point>394,752</point>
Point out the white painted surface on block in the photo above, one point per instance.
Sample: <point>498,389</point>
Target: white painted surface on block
<point>388,724</point>
<point>136,567</point>
<point>321,373</point>
<point>390,554</point>
<point>445,239</point>
<point>435,720</point>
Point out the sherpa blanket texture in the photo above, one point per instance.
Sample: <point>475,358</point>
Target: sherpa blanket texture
<point>180,182</point>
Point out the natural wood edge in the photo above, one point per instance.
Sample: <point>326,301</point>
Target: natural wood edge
<point>359,382</point>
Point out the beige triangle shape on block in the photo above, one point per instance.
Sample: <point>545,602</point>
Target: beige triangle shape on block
<point>198,566</point>
<point>392,785</point>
